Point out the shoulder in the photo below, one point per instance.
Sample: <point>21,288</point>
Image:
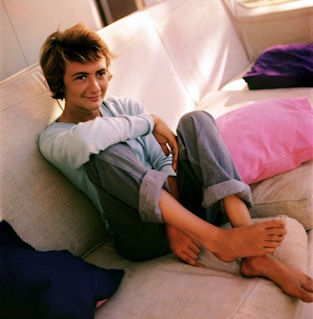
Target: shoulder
<point>53,130</point>
<point>56,127</point>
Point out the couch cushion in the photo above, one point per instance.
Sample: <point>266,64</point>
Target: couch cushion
<point>290,194</point>
<point>142,68</point>
<point>42,206</point>
<point>236,95</point>
<point>167,288</point>
<point>200,67</point>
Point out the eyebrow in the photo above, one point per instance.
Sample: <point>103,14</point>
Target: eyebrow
<point>78,73</point>
<point>86,73</point>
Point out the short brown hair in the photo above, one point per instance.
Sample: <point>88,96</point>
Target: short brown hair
<point>76,44</point>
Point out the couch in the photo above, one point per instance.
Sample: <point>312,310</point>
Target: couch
<point>174,57</point>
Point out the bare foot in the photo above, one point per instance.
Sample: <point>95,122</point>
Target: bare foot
<point>253,240</point>
<point>292,281</point>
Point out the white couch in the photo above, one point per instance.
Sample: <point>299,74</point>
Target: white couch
<point>174,57</point>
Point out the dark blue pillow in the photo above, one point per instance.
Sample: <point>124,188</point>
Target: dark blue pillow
<point>52,284</point>
<point>282,66</point>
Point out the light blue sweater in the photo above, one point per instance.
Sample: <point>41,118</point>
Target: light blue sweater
<point>69,146</point>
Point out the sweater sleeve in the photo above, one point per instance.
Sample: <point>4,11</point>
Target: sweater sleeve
<point>72,145</point>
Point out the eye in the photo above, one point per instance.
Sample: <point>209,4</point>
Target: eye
<point>101,73</point>
<point>81,77</point>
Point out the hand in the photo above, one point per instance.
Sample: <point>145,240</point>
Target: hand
<point>166,138</point>
<point>173,185</point>
<point>183,246</point>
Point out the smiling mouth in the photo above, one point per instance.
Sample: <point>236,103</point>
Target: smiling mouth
<point>93,98</point>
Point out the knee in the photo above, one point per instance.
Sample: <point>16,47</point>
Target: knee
<point>103,161</point>
<point>194,119</point>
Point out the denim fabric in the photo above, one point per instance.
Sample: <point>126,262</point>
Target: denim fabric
<point>206,173</point>
<point>119,172</point>
<point>129,191</point>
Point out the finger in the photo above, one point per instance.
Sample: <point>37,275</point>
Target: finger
<point>175,161</point>
<point>174,150</point>
<point>191,255</point>
<point>198,264</point>
<point>277,238</point>
<point>195,248</point>
<point>187,259</point>
<point>165,149</point>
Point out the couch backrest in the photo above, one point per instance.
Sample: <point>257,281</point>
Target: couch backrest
<point>143,70</point>
<point>171,54</point>
<point>39,202</point>
<point>201,42</point>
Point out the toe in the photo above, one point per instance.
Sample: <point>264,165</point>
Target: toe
<point>306,296</point>
<point>308,284</point>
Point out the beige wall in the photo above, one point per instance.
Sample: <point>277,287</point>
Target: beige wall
<point>26,23</point>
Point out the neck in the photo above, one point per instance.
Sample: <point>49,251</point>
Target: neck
<point>78,116</point>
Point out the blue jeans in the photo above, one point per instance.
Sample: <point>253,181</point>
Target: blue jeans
<point>129,191</point>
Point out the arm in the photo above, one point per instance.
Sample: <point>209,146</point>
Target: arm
<point>73,144</point>
<point>166,138</point>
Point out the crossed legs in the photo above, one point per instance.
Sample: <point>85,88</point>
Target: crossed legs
<point>254,242</point>
<point>291,281</point>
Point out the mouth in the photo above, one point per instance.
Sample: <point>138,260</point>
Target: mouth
<point>93,98</point>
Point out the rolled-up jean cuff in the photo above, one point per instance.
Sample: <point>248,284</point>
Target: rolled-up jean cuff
<point>149,194</point>
<point>216,192</point>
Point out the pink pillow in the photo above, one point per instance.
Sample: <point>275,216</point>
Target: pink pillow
<point>269,137</point>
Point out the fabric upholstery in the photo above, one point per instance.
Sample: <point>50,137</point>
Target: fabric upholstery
<point>138,48</point>
<point>290,194</point>
<point>235,95</point>
<point>200,68</point>
<point>168,288</point>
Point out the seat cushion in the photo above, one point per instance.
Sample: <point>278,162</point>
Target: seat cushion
<point>167,288</point>
<point>290,194</point>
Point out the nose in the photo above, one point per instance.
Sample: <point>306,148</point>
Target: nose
<point>94,86</point>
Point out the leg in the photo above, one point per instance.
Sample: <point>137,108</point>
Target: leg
<point>119,166</point>
<point>291,281</point>
<point>121,179</point>
<point>233,243</point>
<point>205,163</point>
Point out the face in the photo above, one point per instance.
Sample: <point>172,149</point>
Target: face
<point>85,85</point>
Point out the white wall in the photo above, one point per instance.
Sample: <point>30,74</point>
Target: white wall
<point>25,24</point>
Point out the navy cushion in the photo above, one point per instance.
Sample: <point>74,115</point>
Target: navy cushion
<point>51,284</point>
<point>282,66</point>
